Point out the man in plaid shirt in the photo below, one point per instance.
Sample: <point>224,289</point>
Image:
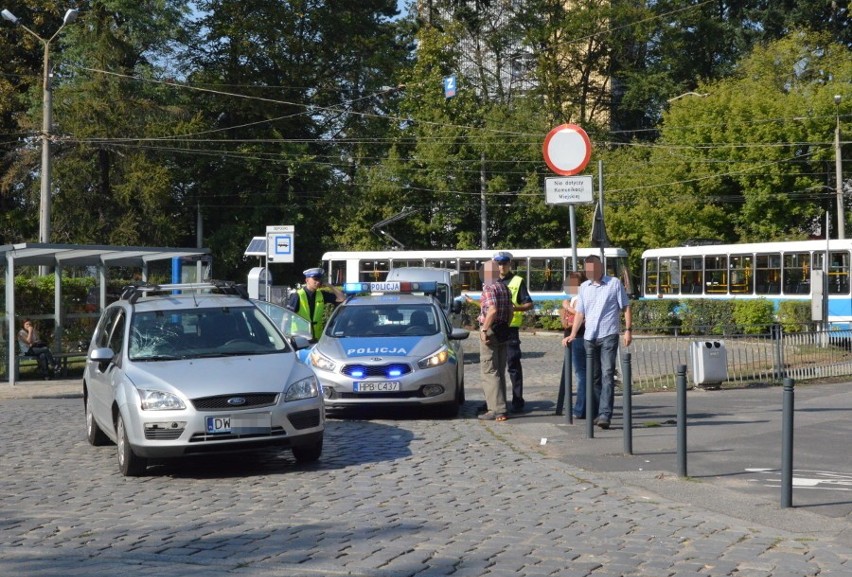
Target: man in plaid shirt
<point>494,318</point>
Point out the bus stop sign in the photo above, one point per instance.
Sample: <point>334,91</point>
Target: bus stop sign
<point>567,149</point>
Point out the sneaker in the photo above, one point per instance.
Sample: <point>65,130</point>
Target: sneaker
<point>602,423</point>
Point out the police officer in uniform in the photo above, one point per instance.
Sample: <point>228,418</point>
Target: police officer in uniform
<point>522,302</point>
<point>304,301</point>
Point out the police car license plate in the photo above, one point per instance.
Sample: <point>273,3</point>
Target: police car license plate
<point>253,423</point>
<point>375,386</point>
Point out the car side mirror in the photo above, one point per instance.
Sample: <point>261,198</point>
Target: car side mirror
<point>299,343</point>
<point>102,356</point>
<point>459,334</point>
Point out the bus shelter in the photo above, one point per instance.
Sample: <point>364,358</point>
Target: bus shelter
<point>63,256</point>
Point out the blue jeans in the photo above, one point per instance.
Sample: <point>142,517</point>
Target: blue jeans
<point>604,354</point>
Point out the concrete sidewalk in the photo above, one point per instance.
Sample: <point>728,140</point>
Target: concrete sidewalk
<point>57,388</point>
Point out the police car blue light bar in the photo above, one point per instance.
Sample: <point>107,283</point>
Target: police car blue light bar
<point>400,287</point>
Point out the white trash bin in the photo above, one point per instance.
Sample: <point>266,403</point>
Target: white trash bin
<point>709,363</point>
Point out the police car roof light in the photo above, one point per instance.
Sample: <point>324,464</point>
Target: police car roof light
<point>400,287</point>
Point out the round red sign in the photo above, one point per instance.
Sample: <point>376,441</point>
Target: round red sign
<point>567,149</point>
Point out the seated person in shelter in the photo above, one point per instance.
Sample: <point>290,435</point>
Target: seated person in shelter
<point>31,345</point>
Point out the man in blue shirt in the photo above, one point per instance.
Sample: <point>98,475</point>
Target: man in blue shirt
<point>602,300</point>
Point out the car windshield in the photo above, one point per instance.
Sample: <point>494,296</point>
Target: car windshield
<point>384,321</point>
<point>206,332</point>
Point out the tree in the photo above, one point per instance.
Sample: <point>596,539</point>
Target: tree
<point>746,162</point>
<point>290,95</point>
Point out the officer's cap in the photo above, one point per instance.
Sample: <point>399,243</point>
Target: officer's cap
<point>317,273</point>
<point>502,256</point>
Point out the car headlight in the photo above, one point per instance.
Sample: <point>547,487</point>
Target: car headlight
<point>307,388</point>
<point>435,360</point>
<point>322,362</point>
<point>153,400</point>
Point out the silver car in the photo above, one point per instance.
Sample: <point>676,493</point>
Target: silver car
<point>169,375</point>
<point>393,348</point>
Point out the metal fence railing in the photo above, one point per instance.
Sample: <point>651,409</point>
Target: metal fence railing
<point>764,358</point>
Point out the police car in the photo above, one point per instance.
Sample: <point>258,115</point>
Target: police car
<point>390,343</point>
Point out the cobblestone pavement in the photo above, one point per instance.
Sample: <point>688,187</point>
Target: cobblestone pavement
<point>393,495</point>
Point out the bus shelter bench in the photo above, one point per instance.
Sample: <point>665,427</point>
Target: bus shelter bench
<point>61,358</point>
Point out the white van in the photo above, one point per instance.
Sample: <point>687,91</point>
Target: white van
<point>449,290</point>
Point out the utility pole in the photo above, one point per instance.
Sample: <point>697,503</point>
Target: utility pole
<point>838,169</point>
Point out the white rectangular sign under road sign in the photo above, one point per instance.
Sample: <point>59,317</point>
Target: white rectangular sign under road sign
<point>568,190</point>
<point>279,243</point>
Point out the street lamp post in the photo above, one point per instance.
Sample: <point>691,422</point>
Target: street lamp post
<point>838,170</point>
<point>46,121</point>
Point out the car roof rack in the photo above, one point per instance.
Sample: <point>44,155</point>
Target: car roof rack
<point>133,292</point>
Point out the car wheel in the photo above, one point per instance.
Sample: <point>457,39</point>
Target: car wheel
<point>129,463</point>
<point>461,396</point>
<point>308,453</point>
<point>94,434</point>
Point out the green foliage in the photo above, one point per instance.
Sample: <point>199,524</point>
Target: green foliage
<point>753,316</point>
<point>707,317</point>
<point>655,316</point>
<point>548,315</point>
<point>794,316</point>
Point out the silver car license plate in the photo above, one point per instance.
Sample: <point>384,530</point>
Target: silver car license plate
<point>251,423</point>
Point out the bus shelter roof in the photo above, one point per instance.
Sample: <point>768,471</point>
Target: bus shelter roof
<point>66,255</point>
<point>39,254</point>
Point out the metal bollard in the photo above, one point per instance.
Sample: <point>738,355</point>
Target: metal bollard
<point>778,338</point>
<point>568,375</point>
<point>560,397</point>
<point>590,393</point>
<point>788,407</point>
<point>627,403</point>
<point>681,420</point>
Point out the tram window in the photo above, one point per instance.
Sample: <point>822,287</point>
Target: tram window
<point>373,270</point>
<point>336,271</point>
<point>469,270</point>
<point>623,273</point>
<point>716,274</point>
<point>546,274</point>
<point>407,262</point>
<point>651,276</point>
<point>797,273</point>
<point>521,268</point>
<point>450,263</point>
<point>838,273</point>
<point>669,276</point>
<point>767,274</point>
<point>742,274</point>
<point>691,275</point>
